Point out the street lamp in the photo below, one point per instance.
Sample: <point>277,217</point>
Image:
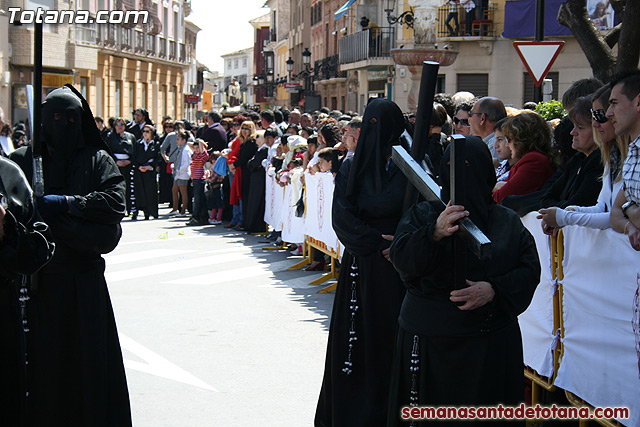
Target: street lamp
<point>289,63</point>
<point>261,79</point>
<point>306,57</point>
<point>405,18</point>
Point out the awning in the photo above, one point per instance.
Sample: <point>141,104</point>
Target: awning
<point>340,12</point>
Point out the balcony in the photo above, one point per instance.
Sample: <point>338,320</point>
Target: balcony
<point>113,38</point>
<point>86,34</point>
<point>371,47</point>
<point>162,47</point>
<point>151,44</point>
<point>125,39</point>
<point>139,47</point>
<point>172,50</point>
<point>327,69</point>
<point>183,53</point>
<point>483,25</point>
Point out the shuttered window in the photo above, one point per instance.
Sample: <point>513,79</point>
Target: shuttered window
<point>477,84</point>
<point>528,86</point>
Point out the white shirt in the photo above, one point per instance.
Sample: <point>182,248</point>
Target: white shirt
<point>185,165</point>
<point>6,144</point>
<point>596,216</point>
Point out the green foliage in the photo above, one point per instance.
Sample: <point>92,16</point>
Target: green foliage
<point>551,110</point>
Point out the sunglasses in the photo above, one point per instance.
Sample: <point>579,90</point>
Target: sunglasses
<point>245,128</point>
<point>462,122</point>
<point>146,131</point>
<point>236,125</point>
<point>119,124</point>
<point>599,116</point>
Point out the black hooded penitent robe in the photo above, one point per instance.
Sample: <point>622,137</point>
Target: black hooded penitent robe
<point>367,203</point>
<point>25,247</point>
<point>254,222</point>
<point>123,144</point>
<point>145,183</point>
<point>76,371</point>
<point>465,358</point>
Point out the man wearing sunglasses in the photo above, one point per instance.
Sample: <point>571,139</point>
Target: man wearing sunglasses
<point>624,113</point>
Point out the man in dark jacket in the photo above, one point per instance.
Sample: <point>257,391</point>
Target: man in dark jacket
<point>214,134</point>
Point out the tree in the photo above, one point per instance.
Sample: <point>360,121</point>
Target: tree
<point>600,48</point>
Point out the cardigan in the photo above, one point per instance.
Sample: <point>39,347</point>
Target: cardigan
<point>526,176</point>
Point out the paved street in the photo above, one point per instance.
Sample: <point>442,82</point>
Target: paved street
<point>214,330</point>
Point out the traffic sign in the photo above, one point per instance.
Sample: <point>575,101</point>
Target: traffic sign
<point>292,86</point>
<point>538,57</point>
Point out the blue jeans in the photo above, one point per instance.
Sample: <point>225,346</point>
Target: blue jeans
<point>237,214</point>
<point>199,202</point>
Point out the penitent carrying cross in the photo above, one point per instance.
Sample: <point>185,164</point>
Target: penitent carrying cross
<point>421,182</point>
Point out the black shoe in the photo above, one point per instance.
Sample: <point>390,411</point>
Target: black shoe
<point>134,216</point>
<point>194,222</point>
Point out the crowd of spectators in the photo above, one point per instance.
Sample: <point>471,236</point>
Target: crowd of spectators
<point>570,169</point>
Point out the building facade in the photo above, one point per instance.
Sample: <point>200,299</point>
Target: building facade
<point>117,67</point>
<point>239,66</point>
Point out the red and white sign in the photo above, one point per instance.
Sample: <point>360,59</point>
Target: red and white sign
<point>538,57</point>
<point>292,85</point>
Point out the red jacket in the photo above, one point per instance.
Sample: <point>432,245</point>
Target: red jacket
<point>528,175</point>
<point>236,184</point>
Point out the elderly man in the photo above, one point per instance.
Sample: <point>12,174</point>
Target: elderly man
<point>294,117</point>
<point>624,112</point>
<point>486,112</point>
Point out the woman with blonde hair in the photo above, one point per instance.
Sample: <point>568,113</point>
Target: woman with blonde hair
<point>613,151</point>
<point>246,147</point>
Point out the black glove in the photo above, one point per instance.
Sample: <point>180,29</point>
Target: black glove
<point>51,205</point>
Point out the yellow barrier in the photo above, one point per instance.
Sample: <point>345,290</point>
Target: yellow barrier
<point>311,244</point>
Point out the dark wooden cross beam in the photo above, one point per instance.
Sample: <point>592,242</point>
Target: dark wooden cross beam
<point>410,164</point>
<point>36,143</point>
<point>479,244</point>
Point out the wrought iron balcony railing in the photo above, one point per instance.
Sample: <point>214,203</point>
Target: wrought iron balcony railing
<point>371,43</point>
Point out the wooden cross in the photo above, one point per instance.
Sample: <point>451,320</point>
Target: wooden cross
<point>468,234</point>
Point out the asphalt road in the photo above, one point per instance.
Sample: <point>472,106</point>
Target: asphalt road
<point>214,330</point>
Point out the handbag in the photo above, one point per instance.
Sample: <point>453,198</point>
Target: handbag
<point>300,206</point>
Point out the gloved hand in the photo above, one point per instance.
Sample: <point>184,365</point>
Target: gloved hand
<point>51,205</point>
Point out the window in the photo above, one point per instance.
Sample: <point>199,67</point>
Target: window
<point>99,111</point>
<point>477,84</point>
<point>235,63</point>
<point>244,62</point>
<point>176,26</point>
<point>440,83</point>
<point>118,99</point>
<point>175,101</point>
<point>84,87</point>
<point>144,96</point>
<point>528,86</point>
<point>165,22</point>
<point>132,96</point>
